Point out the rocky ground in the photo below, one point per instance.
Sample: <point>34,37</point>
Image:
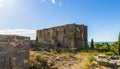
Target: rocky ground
<point>59,62</point>
<point>63,61</point>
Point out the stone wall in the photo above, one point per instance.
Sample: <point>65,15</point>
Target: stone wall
<point>14,52</point>
<point>68,36</point>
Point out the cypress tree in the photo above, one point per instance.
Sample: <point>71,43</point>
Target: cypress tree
<point>36,39</point>
<point>119,43</point>
<point>92,43</point>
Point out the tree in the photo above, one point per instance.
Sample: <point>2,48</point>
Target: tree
<point>105,45</point>
<point>119,43</point>
<point>92,43</point>
<point>36,39</point>
<point>114,47</point>
<point>97,46</point>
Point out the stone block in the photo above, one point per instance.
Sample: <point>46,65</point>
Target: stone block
<point>14,52</point>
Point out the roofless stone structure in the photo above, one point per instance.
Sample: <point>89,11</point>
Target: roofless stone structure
<point>68,36</point>
<point>14,52</point>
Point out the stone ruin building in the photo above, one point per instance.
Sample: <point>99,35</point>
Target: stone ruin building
<point>14,52</point>
<point>70,36</point>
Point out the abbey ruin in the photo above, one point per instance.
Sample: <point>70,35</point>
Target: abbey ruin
<point>14,52</point>
<point>70,36</point>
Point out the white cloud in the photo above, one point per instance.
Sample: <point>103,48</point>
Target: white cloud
<point>7,3</point>
<point>60,3</point>
<point>53,1</point>
<point>21,32</point>
<point>1,6</point>
<point>41,1</point>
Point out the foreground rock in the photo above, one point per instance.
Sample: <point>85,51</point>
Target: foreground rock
<point>47,60</point>
<point>53,61</point>
<point>14,52</point>
<point>109,61</point>
<point>57,62</point>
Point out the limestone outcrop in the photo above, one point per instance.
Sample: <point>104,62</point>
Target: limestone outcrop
<point>14,52</point>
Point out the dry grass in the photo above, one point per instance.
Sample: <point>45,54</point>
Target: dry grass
<point>66,54</point>
<point>32,59</point>
<point>36,60</point>
<point>83,56</point>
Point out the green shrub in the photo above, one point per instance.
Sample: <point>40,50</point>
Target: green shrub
<point>91,58</point>
<point>52,51</point>
<point>39,57</point>
<point>37,61</point>
<point>109,53</point>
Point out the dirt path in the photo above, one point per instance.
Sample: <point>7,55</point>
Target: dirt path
<point>82,63</point>
<point>60,62</point>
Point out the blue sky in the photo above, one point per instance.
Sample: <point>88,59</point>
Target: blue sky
<point>23,17</point>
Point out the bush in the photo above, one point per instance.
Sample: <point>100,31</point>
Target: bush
<point>91,58</point>
<point>52,51</point>
<point>37,61</point>
<point>109,53</point>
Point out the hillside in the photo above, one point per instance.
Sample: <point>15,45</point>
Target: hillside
<point>51,60</point>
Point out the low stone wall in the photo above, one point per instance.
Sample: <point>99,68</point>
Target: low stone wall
<point>109,61</point>
<point>14,52</point>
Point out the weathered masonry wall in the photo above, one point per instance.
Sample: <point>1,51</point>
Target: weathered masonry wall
<point>68,36</point>
<point>14,52</point>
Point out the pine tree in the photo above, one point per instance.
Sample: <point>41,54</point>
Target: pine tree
<point>92,43</point>
<point>119,43</point>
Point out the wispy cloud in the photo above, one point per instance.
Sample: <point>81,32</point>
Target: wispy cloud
<point>60,3</point>
<point>7,3</point>
<point>42,1</point>
<point>53,1</point>
<point>21,32</point>
<point>1,6</point>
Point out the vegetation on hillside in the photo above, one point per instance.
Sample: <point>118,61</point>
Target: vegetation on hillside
<point>119,44</point>
<point>92,43</point>
<point>110,49</point>
<point>86,56</point>
<point>37,61</point>
<point>105,47</point>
